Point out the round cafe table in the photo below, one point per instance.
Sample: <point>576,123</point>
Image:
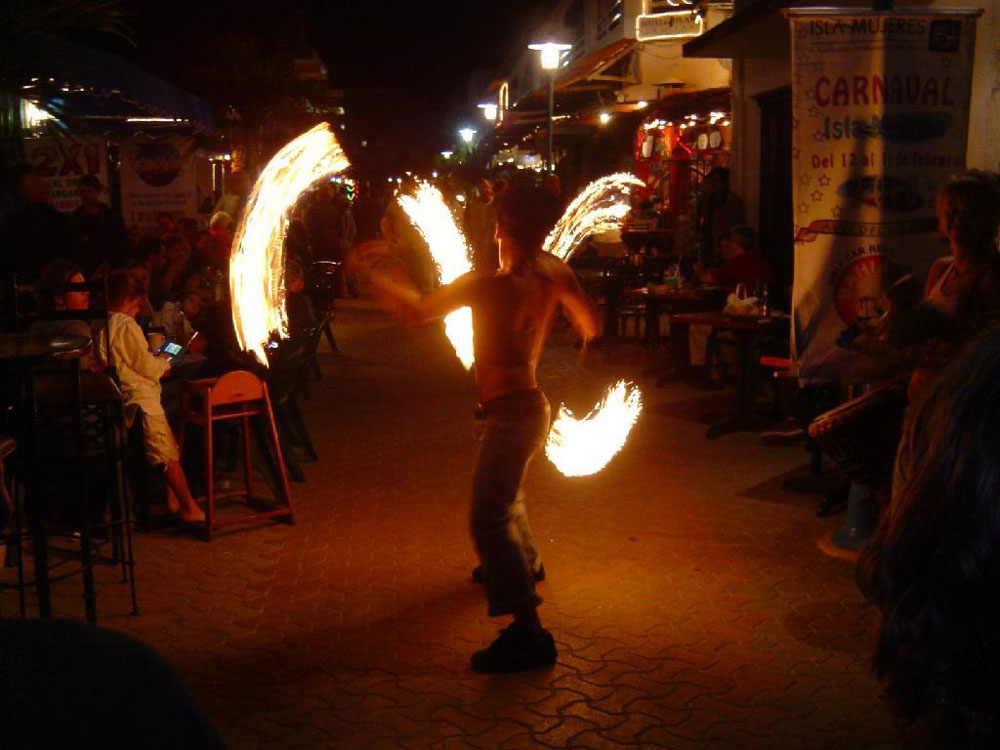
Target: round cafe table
<point>20,354</point>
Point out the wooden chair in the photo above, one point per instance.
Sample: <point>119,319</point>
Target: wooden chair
<point>238,395</point>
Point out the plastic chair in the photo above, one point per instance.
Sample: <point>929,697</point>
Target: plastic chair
<point>238,395</point>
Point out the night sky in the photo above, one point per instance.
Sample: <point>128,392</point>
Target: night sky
<point>426,50</point>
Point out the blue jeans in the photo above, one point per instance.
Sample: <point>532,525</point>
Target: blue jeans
<point>512,429</point>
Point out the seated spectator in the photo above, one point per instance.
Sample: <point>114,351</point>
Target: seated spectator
<point>153,255</point>
<point>176,318</point>
<point>933,567</point>
<point>297,305</point>
<point>741,263</point>
<point>140,371</point>
<point>146,310</point>
<point>203,253</point>
<point>178,274</point>
<point>51,298</point>
<point>165,224</point>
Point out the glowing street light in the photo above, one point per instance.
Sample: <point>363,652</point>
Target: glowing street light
<point>549,54</point>
<point>489,111</point>
<point>447,154</point>
<point>467,134</point>
<point>604,117</point>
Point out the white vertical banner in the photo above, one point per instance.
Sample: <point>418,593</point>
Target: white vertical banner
<point>880,105</point>
<point>158,175</point>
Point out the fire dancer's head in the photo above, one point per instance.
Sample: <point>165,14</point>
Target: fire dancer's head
<point>524,218</point>
<point>968,209</point>
<point>934,563</point>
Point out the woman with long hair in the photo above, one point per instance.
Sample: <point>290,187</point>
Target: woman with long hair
<point>933,568</point>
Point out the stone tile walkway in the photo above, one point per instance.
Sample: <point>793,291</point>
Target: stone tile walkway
<point>686,593</point>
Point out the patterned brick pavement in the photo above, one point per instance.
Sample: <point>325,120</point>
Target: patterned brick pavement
<point>686,593</point>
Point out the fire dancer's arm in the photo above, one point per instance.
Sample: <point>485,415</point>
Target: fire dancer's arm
<point>419,309</point>
<point>580,310</point>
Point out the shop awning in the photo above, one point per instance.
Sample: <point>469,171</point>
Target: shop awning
<point>98,83</point>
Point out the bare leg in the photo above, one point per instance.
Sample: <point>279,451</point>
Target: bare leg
<point>179,494</point>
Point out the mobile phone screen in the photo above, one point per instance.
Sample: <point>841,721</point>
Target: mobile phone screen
<point>172,349</point>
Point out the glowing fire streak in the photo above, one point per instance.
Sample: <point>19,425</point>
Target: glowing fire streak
<point>581,447</point>
<point>257,263</point>
<point>602,206</point>
<point>450,251</point>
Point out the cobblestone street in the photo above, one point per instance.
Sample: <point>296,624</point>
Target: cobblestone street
<point>686,592</point>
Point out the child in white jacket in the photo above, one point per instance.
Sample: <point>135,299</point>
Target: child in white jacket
<point>139,372</point>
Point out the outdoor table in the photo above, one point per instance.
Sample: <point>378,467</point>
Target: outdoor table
<point>673,300</point>
<point>20,353</point>
<point>748,332</point>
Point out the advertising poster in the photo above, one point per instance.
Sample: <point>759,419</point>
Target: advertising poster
<point>158,175</point>
<point>64,161</point>
<point>879,122</point>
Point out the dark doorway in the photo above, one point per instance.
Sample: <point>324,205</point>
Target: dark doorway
<point>776,180</point>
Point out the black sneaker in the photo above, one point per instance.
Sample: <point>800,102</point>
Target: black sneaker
<point>516,650</point>
<point>477,574</point>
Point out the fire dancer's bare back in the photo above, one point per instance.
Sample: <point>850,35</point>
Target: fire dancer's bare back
<point>512,313</point>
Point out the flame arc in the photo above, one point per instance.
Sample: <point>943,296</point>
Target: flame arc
<point>577,447</point>
<point>581,447</point>
<point>600,207</point>
<point>450,250</point>
<point>257,263</point>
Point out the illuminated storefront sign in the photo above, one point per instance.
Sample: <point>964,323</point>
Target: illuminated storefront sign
<point>677,25</point>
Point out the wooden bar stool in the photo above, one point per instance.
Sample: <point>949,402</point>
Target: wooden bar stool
<point>236,395</point>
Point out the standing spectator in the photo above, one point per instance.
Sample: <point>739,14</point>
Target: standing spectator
<point>188,229</point>
<point>481,228</point>
<point>500,188</point>
<point>323,220</point>
<point>103,241</point>
<point>36,233</point>
<point>234,197</point>
<point>367,212</point>
<point>719,209</point>
<point>221,228</point>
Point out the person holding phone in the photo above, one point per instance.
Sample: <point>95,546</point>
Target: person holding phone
<point>140,371</point>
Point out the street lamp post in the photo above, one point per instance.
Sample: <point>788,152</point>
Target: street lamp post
<point>549,54</point>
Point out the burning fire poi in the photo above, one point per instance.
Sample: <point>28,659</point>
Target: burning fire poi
<point>435,222</point>
<point>257,263</point>
<point>577,447</point>
<point>581,447</point>
<point>603,205</point>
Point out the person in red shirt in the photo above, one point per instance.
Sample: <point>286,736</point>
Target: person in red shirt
<point>741,263</point>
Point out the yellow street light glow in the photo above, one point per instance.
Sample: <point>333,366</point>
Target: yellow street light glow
<point>604,117</point>
<point>551,52</point>
<point>641,104</point>
<point>257,263</point>
<point>581,447</point>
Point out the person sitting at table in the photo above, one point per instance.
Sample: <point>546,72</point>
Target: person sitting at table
<point>52,298</point>
<point>178,274</point>
<point>177,320</point>
<point>146,310</point>
<point>140,371</point>
<point>741,263</point>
